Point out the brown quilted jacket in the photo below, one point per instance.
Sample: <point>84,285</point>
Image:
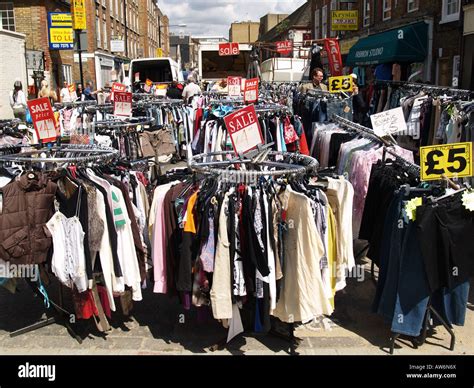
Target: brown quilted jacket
<point>28,204</point>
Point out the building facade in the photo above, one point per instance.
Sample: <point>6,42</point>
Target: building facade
<point>375,17</point>
<point>182,51</point>
<point>244,32</point>
<point>269,21</point>
<point>117,31</point>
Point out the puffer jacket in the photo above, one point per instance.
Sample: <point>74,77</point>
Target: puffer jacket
<point>28,203</point>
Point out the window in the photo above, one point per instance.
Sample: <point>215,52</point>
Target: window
<point>387,10</point>
<point>450,11</point>
<point>366,13</point>
<point>7,17</point>
<point>67,74</point>
<point>116,9</point>
<point>412,5</point>
<point>106,43</point>
<point>324,22</point>
<point>316,24</point>
<point>98,28</point>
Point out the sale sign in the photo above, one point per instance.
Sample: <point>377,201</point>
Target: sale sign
<point>117,87</point>
<point>251,90</point>
<point>234,86</point>
<point>123,104</point>
<point>228,49</point>
<point>244,129</point>
<point>333,51</point>
<point>43,119</point>
<point>285,47</point>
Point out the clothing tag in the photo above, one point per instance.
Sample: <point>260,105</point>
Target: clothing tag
<point>347,109</point>
<point>410,207</point>
<point>1,203</point>
<point>467,200</point>
<point>31,176</point>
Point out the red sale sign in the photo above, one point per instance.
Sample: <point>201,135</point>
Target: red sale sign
<point>228,49</point>
<point>331,46</point>
<point>244,129</point>
<point>43,119</point>
<point>123,104</point>
<point>251,90</point>
<point>285,47</point>
<point>234,86</point>
<point>117,87</point>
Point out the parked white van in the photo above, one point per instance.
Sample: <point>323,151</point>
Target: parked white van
<point>158,70</point>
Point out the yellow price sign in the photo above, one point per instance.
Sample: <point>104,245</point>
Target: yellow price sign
<point>341,83</point>
<point>449,160</point>
<point>159,52</point>
<point>78,11</point>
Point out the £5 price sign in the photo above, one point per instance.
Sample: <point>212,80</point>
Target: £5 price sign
<point>251,90</point>
<point>43,119</point>
<point>448,160</point>
<point>123,104</point>
<point>342,83</point>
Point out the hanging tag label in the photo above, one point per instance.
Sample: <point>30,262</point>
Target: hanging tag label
<point>1,203</point>
<point>123,104</point>
<point>468,200</point>
<point>388,122</point>
<point>244,129</point>
<point>43,119</point>
<point>448,160</point>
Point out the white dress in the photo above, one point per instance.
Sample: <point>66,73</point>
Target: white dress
<point>69,261</point>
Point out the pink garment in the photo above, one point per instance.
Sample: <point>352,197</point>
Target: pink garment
<point>159,243</point>
<point>361,166</point>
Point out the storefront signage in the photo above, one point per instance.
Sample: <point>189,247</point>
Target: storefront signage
<point>251,90</point>
<point>344,20</point>
<point>448,160</point>
<point>331,45</point>
<point>228,49</point>
<point>61,36</point>
<point>244,129</point>
<point>347,44</point>
<point>43,119</point>
<point>117,45</point>
<point>234,86</point>
<point>123,104</point>
<point>285,47</point>
<point>342,83</point>
<point>388,122</point>
<point>78,10</point>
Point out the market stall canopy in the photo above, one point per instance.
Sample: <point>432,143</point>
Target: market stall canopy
<point>403,44</point>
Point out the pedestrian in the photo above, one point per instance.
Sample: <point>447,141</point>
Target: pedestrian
<point>174,92</point>
<point>18,101</point>
<point>359,107</point>
<point>79,92</point>
<point>191,90</point>
<point>46,91</point>
<point>317,76</point>
<point>65,94</point>
<point>89,94</point>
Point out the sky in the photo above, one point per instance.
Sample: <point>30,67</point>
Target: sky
<point>214,17</point>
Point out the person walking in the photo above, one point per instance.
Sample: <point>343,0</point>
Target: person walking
<point>18,101</point>
<point>65,94</point>
<point>190,90</point>
<point>47,92</point>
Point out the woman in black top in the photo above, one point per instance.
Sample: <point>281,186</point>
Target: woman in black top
<point>174,92</point>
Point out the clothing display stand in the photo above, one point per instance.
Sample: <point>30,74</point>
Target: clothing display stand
<point>257,165</point>
<point>368,133</point>
<point>57,156</point>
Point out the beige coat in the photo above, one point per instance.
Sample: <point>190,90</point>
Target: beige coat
<point>302,297</point>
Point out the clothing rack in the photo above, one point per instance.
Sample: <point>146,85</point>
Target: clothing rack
<point>366,132</point>
<point>432,89</point>
<point>81,154</point>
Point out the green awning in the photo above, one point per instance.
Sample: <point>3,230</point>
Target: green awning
<point>403,44</point>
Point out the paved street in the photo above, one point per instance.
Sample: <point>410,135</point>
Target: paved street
<point>160,327</point>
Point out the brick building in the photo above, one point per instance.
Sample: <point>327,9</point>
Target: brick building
<point>443,19</point>
<point>244,32</point>
<point>154,29</point>
<point>30,17</point>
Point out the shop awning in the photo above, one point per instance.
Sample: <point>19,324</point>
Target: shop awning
<point>403,44</point>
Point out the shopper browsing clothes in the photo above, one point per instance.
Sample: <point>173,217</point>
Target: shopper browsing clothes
<point>18,101</point>
<point>317,76</point>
